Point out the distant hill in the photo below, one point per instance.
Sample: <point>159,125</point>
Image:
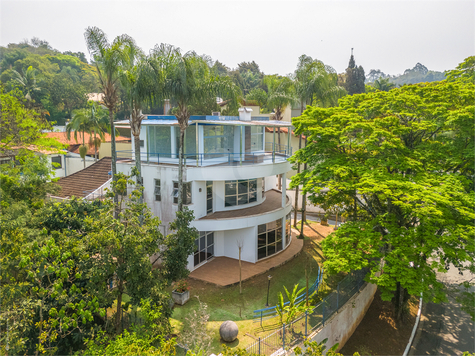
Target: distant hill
<point>418,74</point>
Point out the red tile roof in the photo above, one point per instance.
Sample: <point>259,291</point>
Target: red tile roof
<point>84,182</point>
<point>74,145</point>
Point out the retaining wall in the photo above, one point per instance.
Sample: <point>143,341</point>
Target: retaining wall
<point>340,327</point>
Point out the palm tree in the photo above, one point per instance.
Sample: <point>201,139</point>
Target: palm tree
<point>80,123</point>
<point>137,84</point>
<point>108,58</point>
<point>99,124</point>
<point>187,80</point>
<point>383,84</point>
<point>315,83</point>
<point>27,82</point>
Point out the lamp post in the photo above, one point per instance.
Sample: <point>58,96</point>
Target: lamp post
<point>269,277</point>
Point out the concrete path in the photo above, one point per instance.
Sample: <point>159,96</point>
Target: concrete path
<point>445,329</point>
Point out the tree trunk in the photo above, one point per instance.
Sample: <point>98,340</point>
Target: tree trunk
<point>118,315</point>
<point>296,209</point>
<point>400,300</point>
<point>83,143</point>
<point>180,170</point>
<point>240,271</point>
<point>304,198</point>
<point>279,183</point>
<point>114,157</point>
<point>95,147</point>
<point>138,166</point>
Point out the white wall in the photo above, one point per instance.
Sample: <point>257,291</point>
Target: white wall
<point>249,238</point>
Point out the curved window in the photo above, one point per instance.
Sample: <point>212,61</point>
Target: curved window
<point>269,239</point>
<point>240,192</point>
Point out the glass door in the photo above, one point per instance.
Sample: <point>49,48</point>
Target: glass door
<point>204,247</point>
<point>209,197</point>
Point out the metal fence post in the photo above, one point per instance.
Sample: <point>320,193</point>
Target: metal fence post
<point>261,318</point>
<point>323,311</point>
<point>283,336</point>
<point>338,297</point>
<point>259,346</point>
<point>306,315</point>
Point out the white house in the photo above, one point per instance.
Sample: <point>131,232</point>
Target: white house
<point>230,182</point>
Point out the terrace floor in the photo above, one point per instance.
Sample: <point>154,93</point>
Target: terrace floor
<point>224,271</point>
<point>273,202</point>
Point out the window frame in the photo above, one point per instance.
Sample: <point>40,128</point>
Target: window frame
<point>60,162</point>
<point>187,188</point>
<point>273,234</point>
<point>240,196</point>
<point>159,195</point>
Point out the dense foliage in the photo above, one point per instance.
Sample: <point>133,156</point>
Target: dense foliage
<point>401,163</point>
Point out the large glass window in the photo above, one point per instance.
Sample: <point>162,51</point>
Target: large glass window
<point>159,141</point>
<point>218,140</point>
<point>186,193</point>
<point>240,192</point>
<point>204,247</point>
<point>189,148</point>
<point>288,231</point>
<point>257,138</point>
<point>269,239</point>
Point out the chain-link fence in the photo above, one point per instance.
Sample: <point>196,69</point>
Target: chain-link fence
<point>295,332</point>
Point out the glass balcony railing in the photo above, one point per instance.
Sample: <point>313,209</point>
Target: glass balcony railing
<point>272,154</point>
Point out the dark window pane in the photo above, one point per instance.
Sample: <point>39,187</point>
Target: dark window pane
<point>271,226</point>
<point>271,237</point>
<point>202,243</point>
<point>197,259</point>
<point>270,249</point>
<point>252,197</point>
<point>210,252</point>
<point>242,187</point>
<point>279,245</point>
<point>209,206</point>
<point>210,239</point>
<point>253,185</point>
<point>279,233</point>
<point>261,240</point>
<point>243,199</point>
<point>196,246</point>
<point>230,201</point>
<point>261,228</point>
<point>175,184</point>
<point>230,188</point>
<point>278,223</point>
<point>261,253</point>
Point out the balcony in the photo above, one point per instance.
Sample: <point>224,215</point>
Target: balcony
<point>273,153</point>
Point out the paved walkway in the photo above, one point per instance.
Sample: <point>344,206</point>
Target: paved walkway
<point>445,329</point>
<point>224,271</point>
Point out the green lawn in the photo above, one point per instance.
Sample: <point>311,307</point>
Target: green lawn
<point>226,303</point>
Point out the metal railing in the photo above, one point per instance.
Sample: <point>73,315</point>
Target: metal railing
<point>270,312</point>
<point>279,154</point>
<point>296,331</point>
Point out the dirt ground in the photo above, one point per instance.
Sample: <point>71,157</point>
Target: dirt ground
<point>378,332</point>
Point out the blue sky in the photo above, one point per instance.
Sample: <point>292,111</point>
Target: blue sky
<point>387,35</point>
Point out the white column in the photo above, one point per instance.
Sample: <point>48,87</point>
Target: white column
<point>284,189</point>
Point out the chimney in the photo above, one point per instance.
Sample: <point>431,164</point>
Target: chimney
<point>245,114</point>
<point>166,106</point>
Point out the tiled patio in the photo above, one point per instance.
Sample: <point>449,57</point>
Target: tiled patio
<point>224,271</point>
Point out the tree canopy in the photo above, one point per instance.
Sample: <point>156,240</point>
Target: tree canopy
<point>401,163</point>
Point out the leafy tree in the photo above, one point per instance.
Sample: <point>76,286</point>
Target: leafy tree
<point>122,248</point>
<point>180,245</point>
<point>220,69</point>
<point>20,127</point>
<point>402,165</point>
<point>80,123</point>
<point>67,93</point>
<point>375,74</point>
<point>465,71</point>
<point>355,78</point>
<point>383,85</point>
<point>258,95</point>
<point>187,80</point>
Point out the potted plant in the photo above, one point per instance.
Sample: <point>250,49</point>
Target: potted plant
<point>180,293</point>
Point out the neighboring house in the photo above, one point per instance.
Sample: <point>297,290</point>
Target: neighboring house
<point>71,162</point>
<point>89,183</point>
<point>230,178</point>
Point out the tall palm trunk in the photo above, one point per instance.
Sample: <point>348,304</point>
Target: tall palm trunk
<point>113,156</point>
<point>95,147</point>
<point>180,169</point>
<point>84,145</point>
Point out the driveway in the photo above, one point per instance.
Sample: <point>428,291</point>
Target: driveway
<point>445,329</point>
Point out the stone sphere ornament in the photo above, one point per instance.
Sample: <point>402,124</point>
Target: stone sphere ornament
<point>228,331</point>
